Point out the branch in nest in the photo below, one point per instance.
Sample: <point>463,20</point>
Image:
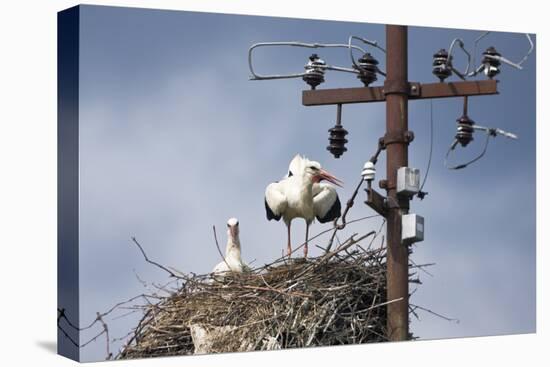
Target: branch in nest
<point>62,315</point>
<point>349,205</point>
<point>415,307</point>
<point>218,246</point>
<point>172,274</point>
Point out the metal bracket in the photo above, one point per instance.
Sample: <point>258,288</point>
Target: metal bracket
<point>400,202</point>
<point>400,138</point>
<point>386,185</point>
<point>397,87</point>
<point>414,89</point>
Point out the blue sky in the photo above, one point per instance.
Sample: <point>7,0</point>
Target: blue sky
<point>174,138</point>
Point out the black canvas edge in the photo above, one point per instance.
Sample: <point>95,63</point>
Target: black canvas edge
<point>68,338</point>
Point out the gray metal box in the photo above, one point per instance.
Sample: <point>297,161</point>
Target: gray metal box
<point>408,181</point>
<point>412,228</point>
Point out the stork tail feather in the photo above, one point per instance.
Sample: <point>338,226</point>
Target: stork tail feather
<point>333,213</point>
<point>269,213</point>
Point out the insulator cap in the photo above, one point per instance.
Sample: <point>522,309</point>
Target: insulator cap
<point>315,72</point>
<point>367,67</point>
<point>441,69</point>
<point>337,141</point>
<point>464,130</point>
<point>369,172</point>
<point>491,64</point>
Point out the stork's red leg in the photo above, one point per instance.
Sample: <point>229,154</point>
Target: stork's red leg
<point>288,246</point>
<point>307,235</point>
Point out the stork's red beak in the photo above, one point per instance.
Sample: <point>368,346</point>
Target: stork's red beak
<point>324,175</point>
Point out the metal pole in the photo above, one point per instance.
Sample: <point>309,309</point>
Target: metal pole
<point>396,89</point>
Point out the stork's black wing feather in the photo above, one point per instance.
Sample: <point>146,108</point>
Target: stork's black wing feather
<point>333,213</point>
<point>269,213</point>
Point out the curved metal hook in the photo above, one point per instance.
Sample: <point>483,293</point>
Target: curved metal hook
<point>460,43</point>
<point>256,76</point>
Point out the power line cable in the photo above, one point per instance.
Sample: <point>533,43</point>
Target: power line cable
<point>421,194</point>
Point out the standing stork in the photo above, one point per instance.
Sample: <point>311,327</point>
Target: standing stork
<point>300,194</point>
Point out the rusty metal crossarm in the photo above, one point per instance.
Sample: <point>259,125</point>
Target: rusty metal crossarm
<point>416,91</point>
<point>376,201</point>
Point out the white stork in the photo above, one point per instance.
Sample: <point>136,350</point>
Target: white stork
<point>301,194</point>
<point>232,260</point>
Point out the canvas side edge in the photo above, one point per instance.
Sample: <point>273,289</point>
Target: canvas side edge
<point>68,338</point>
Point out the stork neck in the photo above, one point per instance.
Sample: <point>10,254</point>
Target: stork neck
<point>233,248</point>
<point>306,185</point>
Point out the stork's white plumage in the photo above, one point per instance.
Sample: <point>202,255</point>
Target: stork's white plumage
<point>300,194</point>
<point>232,260</point>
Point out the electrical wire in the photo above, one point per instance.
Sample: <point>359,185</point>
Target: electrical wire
<point>256,76</point>
<point>448,64</point>
<point>491,132</point>
<point>479,38</point>
<point>501,58</point>
<point>358,69</point>
<point>370,43</point>
<point>478,157</point>
<point>421,194</point>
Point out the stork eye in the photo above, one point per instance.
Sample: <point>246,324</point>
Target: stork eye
<point>314,168</point>
<point>290,174</point>
<point>228,225</point>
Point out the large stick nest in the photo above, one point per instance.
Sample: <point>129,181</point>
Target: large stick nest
<point>334,299</point>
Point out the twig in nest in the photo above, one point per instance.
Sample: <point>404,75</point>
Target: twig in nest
<point>172,274</point>
<point>218,246</point>
<point>435,313</point>
<point>341,226</point>
<point>421,267</point>
<point>284,257</point>
<point>106,330</point>
<point>350,242</point>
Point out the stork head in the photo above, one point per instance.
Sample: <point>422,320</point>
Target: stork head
<point>233,229</point>
<point>311,171</point>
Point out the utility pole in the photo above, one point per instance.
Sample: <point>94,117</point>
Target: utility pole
<point>396,92</point>
<point>396,89</point>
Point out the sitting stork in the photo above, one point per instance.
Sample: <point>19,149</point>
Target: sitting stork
<point>232,261</point>
<point>301,194</point>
